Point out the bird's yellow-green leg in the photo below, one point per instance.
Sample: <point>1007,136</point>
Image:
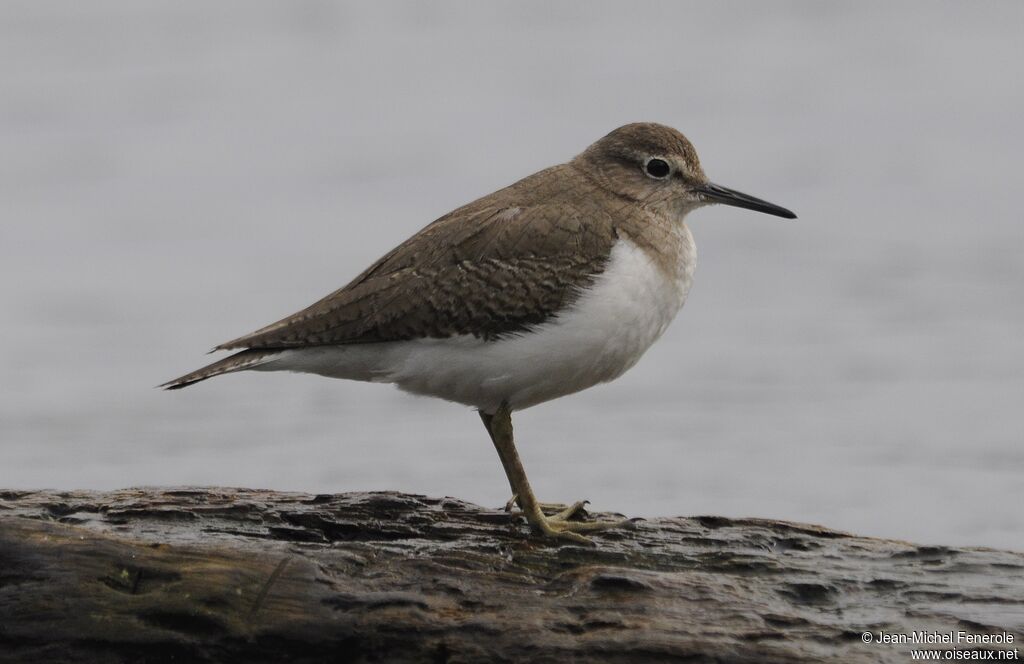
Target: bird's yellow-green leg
<point>499,426</point>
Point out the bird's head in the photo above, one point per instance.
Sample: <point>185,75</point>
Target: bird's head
<point>657,167</point>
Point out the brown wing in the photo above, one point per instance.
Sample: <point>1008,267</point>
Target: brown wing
<point>489,269</point>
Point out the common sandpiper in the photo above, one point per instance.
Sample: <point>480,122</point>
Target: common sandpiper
<point>544,288</point>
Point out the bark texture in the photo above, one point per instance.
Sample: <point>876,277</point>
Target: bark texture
<point>236,575</point>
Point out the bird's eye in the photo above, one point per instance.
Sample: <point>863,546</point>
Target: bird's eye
<point>657,168</point>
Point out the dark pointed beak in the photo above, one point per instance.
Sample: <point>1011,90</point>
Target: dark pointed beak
<point>726,196</point>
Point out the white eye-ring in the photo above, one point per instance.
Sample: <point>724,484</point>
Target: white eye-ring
<point>657,168</point>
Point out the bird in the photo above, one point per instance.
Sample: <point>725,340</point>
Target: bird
<point>551,285</point>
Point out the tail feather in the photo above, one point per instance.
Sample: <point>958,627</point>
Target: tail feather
<point>247,359</point>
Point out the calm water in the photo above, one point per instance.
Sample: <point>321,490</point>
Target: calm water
<point>176,174</point>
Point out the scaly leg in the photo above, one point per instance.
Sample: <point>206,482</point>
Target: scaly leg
<point>499,426</point>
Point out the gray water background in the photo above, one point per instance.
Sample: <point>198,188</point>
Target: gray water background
<point>174,174</point>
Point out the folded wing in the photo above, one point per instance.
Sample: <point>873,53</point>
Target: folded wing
<point>485,270</point>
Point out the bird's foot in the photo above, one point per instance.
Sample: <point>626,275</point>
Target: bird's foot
<point>565,529</point>
<point>556,510</point>
<point>557,521</point>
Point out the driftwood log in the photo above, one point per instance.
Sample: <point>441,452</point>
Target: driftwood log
<point>234,575</point>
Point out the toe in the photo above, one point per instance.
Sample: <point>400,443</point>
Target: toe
<point>568,512</point>
<point>557,531</point>
<point>511,504</point>
<point>594,526</point>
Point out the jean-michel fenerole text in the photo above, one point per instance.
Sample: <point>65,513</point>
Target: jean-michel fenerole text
<point>951,638</point>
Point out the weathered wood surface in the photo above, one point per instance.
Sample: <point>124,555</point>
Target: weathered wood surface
<point>234,575</point>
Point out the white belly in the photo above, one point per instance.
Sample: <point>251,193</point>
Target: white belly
<point>601,336</point>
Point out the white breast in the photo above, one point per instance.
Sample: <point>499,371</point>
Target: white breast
<point>601,336</point>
